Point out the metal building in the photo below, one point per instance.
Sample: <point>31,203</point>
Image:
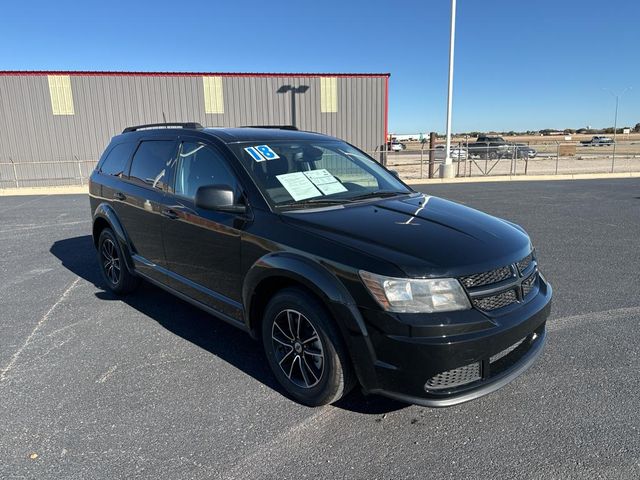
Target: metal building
<point>55,125</point>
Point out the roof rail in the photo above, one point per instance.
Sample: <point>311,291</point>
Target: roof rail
<point>277,127</point>
<point>192,125</point>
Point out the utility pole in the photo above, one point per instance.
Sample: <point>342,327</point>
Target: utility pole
<point>447,167</point>
<point>615,124</point>
<point>432,153</point>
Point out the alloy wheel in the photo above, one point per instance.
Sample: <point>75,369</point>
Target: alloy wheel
<point>110,261</point>
<point>298,348</point>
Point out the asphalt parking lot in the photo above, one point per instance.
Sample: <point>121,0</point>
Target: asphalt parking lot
<point>92,386</point>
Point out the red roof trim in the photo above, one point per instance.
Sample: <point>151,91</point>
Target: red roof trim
<point>184,74</point>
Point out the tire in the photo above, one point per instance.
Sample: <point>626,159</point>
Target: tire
<point>493,155</point>
<point>114,271</point>
<point>313,372</point>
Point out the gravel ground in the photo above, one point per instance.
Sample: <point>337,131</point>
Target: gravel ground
<point>92,386</point>
<point>588,160</point>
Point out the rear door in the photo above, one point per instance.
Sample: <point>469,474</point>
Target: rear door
<point>140,202</point>
<point>202,246</point>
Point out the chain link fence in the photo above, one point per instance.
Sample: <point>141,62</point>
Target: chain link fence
<point>416,160</point>
<point>45,174</point>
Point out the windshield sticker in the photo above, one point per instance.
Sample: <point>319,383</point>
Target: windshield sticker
<point>325,182</point>
<point>254,154</point>
<point>298,186</point>
<point>266,152</point>
<point>260,153</point>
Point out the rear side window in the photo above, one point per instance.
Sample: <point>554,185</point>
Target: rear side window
<point>151,162</point>
<point>116,160</point>
<point>200,165</point>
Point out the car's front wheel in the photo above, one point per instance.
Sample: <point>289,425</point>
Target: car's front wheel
<point>304,349</point>
<point>114,271</point>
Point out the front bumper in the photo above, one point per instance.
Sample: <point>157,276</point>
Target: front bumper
<point>412,350</point>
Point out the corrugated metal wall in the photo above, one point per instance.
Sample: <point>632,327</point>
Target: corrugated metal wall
<point>45,149</point>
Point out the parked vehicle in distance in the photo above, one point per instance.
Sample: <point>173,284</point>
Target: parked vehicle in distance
<point>522,150</point>
<point>343,273</point>
<point>488,148</point>
<point>396,146</point>
<point>597,141</point>
<point>457,153</point>
<point>493,148</point>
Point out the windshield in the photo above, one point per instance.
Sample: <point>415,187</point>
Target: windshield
<point>298,173</point>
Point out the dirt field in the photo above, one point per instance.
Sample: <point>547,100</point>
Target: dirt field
<point>533,139</point>
<point>413,162</point>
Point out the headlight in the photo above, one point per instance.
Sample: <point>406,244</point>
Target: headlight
<point>409,295</point>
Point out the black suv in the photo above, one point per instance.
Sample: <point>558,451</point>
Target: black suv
<point>344,273</point>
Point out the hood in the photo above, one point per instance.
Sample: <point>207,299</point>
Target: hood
<point>421,235</point>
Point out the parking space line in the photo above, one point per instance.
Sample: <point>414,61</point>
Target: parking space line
<point>24,203</point>
<point>265,453</point>
<point>554,324</point>
<point>39,325</point>
<point>35,227</point>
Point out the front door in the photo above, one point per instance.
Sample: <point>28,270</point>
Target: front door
<point>202,247</point>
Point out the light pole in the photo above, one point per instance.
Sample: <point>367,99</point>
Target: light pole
<point>294,91</point>
<point>615,123</point>
<point>447,168</point>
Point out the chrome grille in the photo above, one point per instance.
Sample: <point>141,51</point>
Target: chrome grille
<point>454,378</point>
<point>494,302</point>
<point>503,286</point>
<point>529,284</point>
<point>487,278</point>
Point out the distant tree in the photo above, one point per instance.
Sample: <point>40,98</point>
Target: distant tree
<point>637,128</point>
<point>569,131</point>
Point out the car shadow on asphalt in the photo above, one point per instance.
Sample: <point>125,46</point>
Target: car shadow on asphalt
<point>196,326</point>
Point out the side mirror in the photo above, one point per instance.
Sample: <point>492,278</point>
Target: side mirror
<point>219,198</point>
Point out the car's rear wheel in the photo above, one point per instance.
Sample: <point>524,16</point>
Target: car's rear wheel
<point>114,271</point>
<point>304,349</point>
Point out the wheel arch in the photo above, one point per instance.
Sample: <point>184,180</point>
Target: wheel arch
<point>279,270</point>
<point>105,217</point>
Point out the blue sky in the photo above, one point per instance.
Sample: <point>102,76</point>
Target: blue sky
<point>519,65</point>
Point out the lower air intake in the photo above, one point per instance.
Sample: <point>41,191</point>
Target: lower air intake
<point>454,378</point>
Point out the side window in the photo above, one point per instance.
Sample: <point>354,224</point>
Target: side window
<point>116,160</point>
<point>200,165</point>
<point>151,162</point>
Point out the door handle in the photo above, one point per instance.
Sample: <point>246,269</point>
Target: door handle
<point>169,213</point>
<point>119,196</point>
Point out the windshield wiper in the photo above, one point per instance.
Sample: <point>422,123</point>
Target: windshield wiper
<point>315,201</point>
<point>340,201</point>
<point>378,194</point>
